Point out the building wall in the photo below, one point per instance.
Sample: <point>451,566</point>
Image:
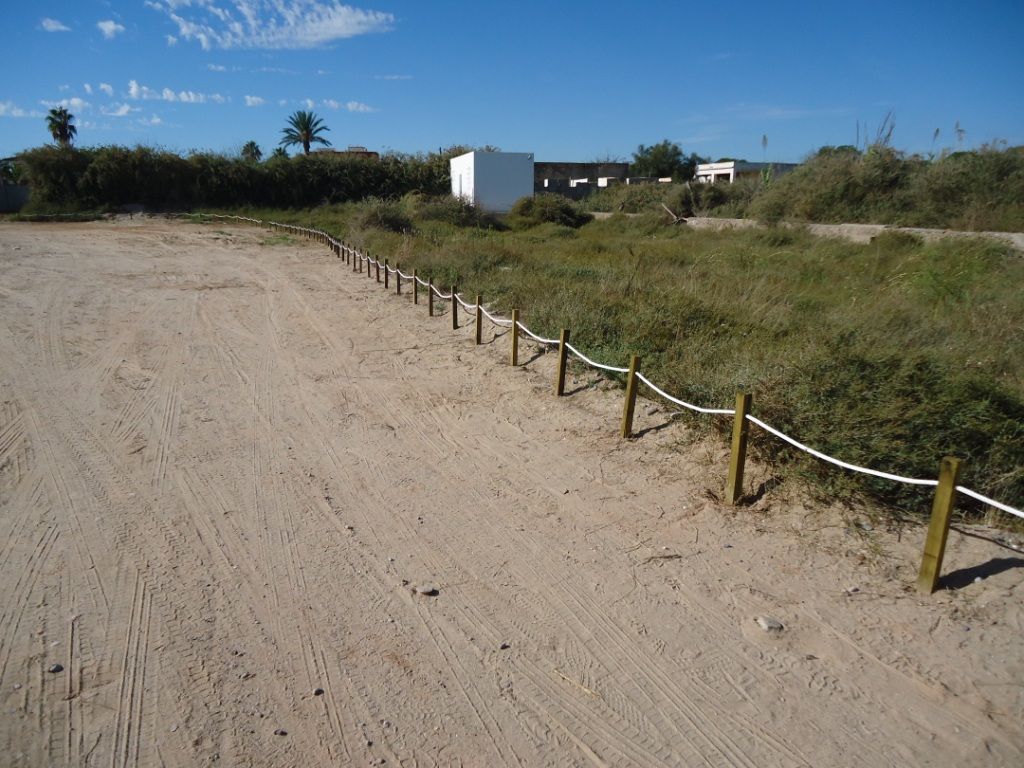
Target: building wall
<point>13,197</point>
<point>556,172</point>
<point>492,180</point>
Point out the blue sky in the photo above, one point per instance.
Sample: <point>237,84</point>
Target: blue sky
<point>570,81</point>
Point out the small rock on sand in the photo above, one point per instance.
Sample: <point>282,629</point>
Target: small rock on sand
<point>55,668</point>
<point>768,624</point>
<point>427,589</point>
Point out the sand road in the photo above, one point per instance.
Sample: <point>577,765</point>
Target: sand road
<point>226,463</point>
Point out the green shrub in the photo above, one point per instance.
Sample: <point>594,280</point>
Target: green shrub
<point>546,208</point>
<point>388,215</point>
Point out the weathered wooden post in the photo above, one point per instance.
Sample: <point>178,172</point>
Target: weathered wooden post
<point>938,527</point>
<point>630,404</point>
<point>479,319</point>
<point>430,297</point>
<point>515,338</point>
<point>455,310</point>
<point>398,279</point>
<point>563,355</point>
<point>415,287</point>
<point>376,267</point>
<point>734,485</point>
<point>385,274</point>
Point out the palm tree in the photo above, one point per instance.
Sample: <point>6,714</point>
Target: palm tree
<point>252,152</point>
<point>58,122</point>
<point>304,128</point>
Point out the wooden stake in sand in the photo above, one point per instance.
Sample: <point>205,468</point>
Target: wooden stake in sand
<point>630,405</point>
<point>563,354</point>
<point>734,485</point>
<point>515,338</point>
<point>938,528</point>
<point>479,319</point>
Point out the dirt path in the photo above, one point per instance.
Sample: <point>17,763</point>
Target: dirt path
<point>225,465</point>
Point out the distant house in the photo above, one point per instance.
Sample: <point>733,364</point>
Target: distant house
<point>730,170</point>
<point>576,179</point>
<point>352,151</point>
<point>492,181</point>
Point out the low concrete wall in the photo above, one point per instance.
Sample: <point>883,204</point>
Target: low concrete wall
<point>13,197</point>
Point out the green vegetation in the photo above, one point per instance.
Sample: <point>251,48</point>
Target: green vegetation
<point>889,355</point>
<point>59,124</point>
<point>71,179</point>
<point>974,191</point>
<point>662,160</point>
<point>251,152</point>
<point>304,128</point>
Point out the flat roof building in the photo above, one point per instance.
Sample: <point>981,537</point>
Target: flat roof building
<point>730,170</point>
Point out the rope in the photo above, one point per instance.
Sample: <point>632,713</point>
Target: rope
<point>837,462</point>
<point>496,320</point>
<point>594,363</point>
<point>991,502</point>
<point>677,401</point>
<point>534,336</point>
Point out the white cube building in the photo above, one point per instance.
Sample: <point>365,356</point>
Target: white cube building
<point>492,181</point>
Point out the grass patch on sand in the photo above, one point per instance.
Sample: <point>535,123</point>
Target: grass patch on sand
<point>888,355</point>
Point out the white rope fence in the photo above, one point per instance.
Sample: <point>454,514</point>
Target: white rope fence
<point>506,322</point>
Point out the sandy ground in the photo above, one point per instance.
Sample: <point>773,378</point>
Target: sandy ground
<point>226,462</point>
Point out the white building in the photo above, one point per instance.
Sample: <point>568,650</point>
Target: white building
<point>492,180</point>
<point>730,170</point>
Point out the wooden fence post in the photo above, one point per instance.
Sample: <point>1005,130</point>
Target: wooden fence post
<point>376,267</point>
<point>415,287</point>
<point>938,528</point>
<point>455,310</point>
<point>734,485</point>
<point>430,297</point>
<point>563,355</point>
<point>398,278</point>
<point>630,405</point>
<point>385,273</point>
<point>515,338</point>
<point>479,319</point>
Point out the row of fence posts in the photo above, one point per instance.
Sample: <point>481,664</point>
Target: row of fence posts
<point>949,468</point>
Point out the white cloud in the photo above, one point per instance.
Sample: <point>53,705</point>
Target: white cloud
<point>216,68</point>
<point>88,89</point>
<point>74,103</point>
<point>63,88</point>
<point>254,101</point>
<point>270,23</point>
<point>308,103</point>
<point>154,120</point>
<point>52,25</point>
<point>107,88</point>
<point>351,106</point>
<point>9,109</point>
<point>138,92</point>
<point>282,102</point>
<point>117,110</point>
<point>109,28</point>
<point>171,40</point>
<point>392,77</point>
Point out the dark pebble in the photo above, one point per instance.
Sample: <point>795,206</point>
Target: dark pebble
<point>505,646</point>
<point>55,668</point>
<point>318,692</point>
<point>280,732</point>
